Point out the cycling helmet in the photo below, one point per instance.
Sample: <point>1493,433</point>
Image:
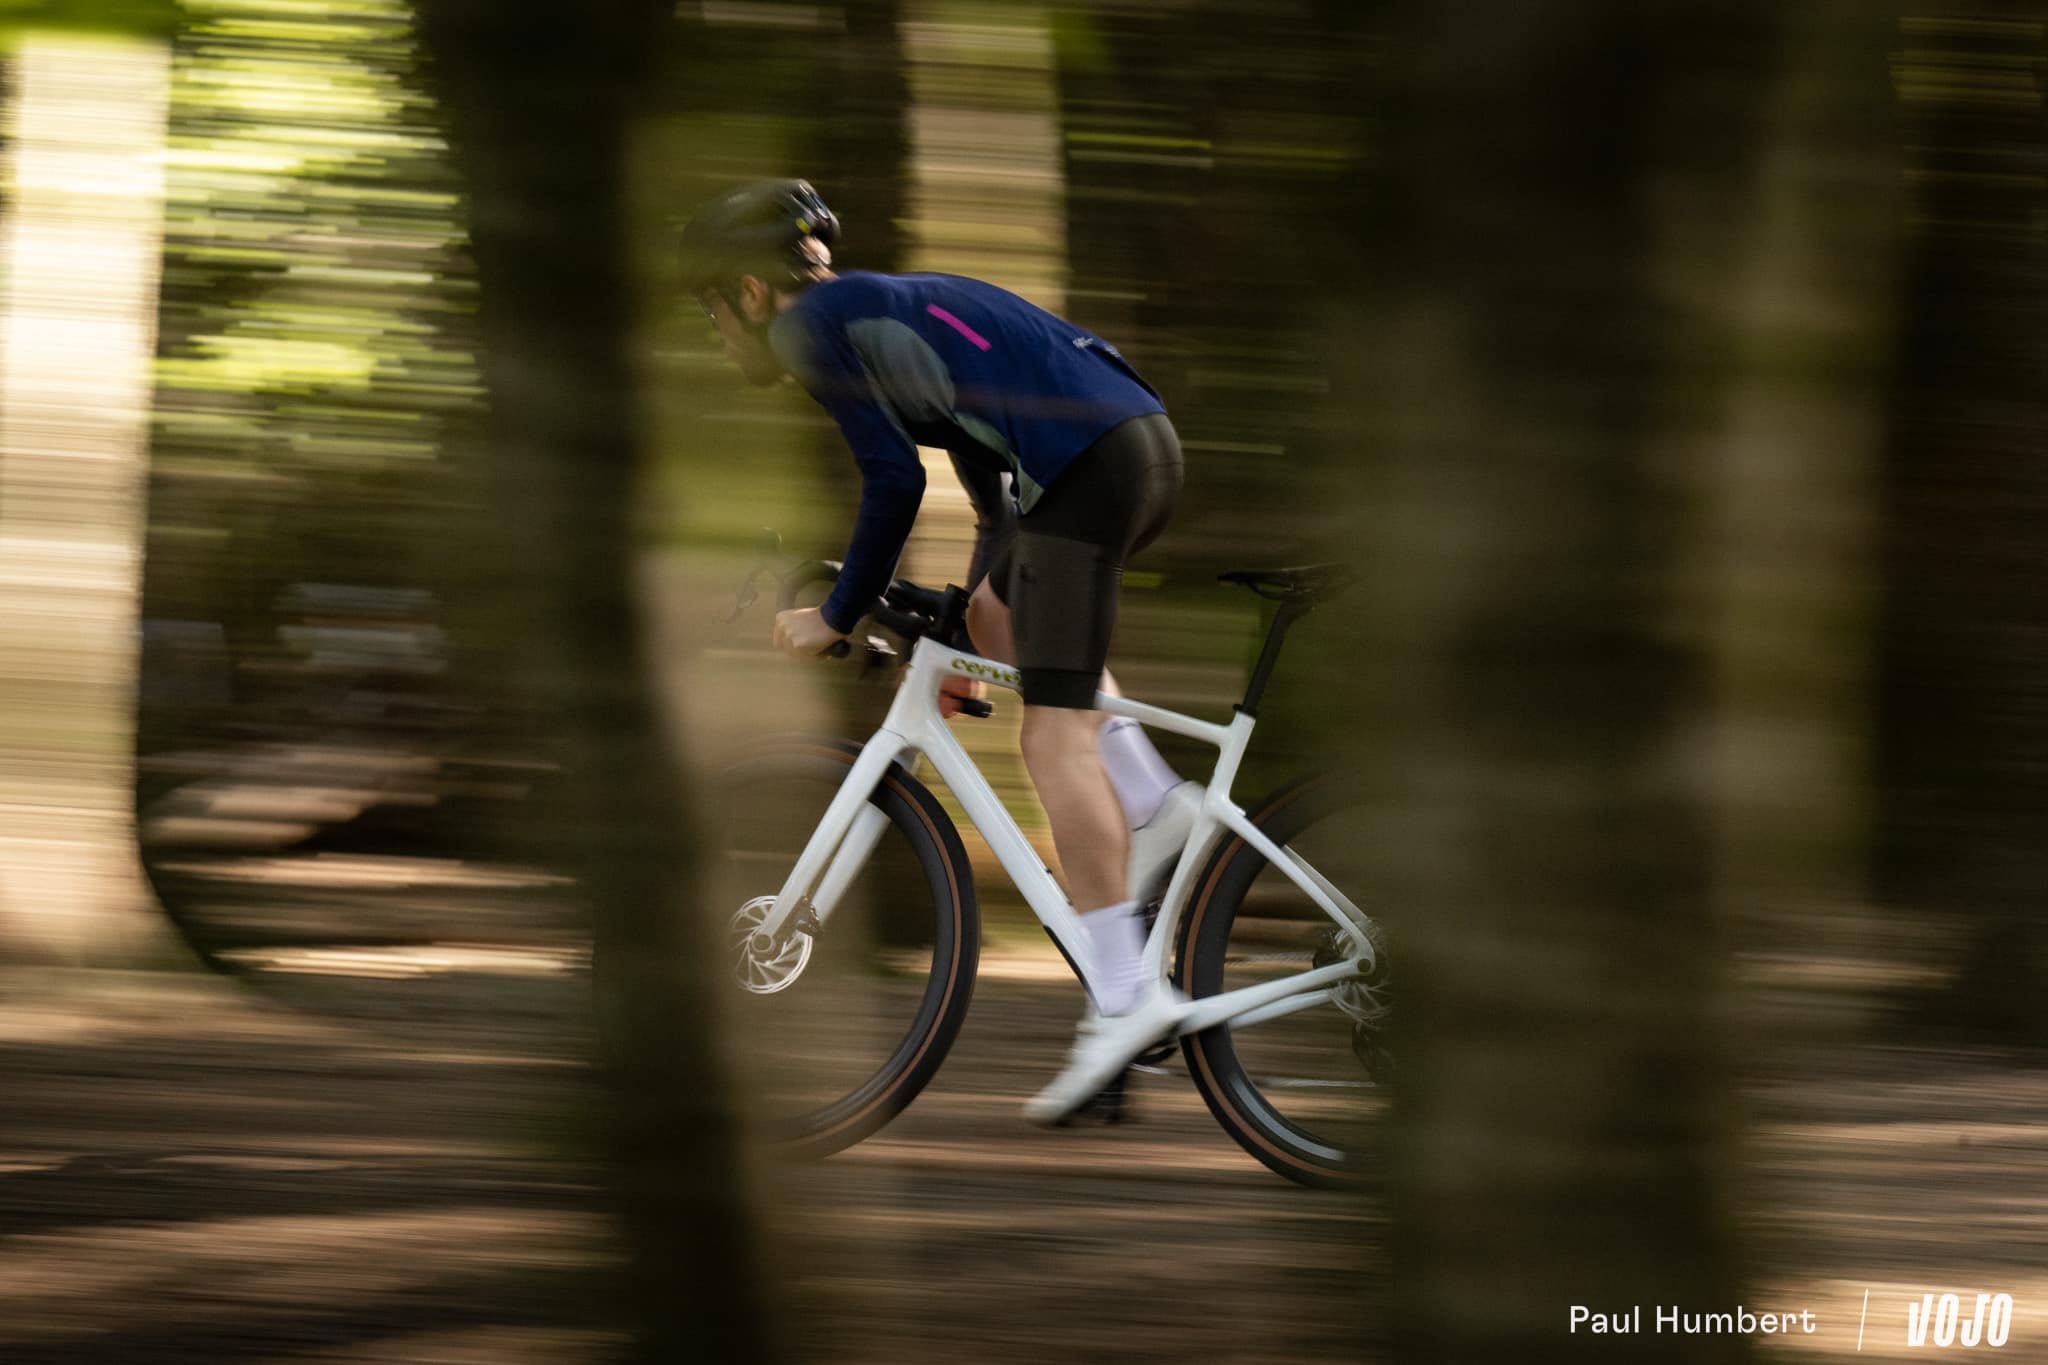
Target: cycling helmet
<point>758,229</point>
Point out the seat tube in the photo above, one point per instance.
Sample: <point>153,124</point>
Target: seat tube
<point>1231,748</point>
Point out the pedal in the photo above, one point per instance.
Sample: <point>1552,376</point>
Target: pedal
<point>1111,1103</point>
<point>1153,1058</point>
<point>1109,1106</point>
<point>1150,904</point>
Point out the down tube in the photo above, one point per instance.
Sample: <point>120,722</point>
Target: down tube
<point>1011,848</point>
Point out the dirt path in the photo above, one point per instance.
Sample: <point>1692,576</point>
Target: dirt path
<point>190,1175</point>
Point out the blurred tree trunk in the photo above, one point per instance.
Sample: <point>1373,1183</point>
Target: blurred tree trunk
<point>540,100</point>
<point>81,217</point>
<point>854,148</point>
<point>1558,200</point>
<point>1206,142</point>
<point>862,142</point>
<point>1963,718</point>
<point>859,161</point>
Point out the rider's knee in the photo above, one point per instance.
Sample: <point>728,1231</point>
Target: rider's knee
<point>986,619</point>
<point>1054,734</point>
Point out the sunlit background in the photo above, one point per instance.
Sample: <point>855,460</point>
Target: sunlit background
<point>374,515</point>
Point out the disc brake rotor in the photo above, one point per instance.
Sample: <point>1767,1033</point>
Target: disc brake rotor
<point>1367,998</point>
<point>765,968</point>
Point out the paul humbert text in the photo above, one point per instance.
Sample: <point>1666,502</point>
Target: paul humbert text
<point>1672,1320</point>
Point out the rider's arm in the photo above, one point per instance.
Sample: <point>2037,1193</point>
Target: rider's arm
<point>891,476</point>
<point>995,514</point>
<point>891,487</point>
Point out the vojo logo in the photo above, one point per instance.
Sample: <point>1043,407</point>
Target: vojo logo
<point>1001,675</point>
<point>1943,1319</point>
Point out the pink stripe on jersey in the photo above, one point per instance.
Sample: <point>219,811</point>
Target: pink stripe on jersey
<point>962,328</point>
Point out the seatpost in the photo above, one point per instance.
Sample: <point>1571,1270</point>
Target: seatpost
<point>1291,610</point>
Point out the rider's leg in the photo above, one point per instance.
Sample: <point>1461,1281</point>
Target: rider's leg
<point>1062,581</point>
<point>1080,803</point>
<point>1142,778</point>
<point>994,637</point>
<point>1088,832</point>
<point>1084,805</point>
<point>995,515</point>
<point>1063,571</point>
<point>988,624</point>
<point>1137,773</point>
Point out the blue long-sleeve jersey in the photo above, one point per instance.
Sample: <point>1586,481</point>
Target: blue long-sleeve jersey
<point>907,360</point>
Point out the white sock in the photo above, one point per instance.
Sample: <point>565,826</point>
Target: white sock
<point>1135,769</point>
<point>1117,934</point>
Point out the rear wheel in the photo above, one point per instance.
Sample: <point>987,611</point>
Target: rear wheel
<point>1304,1091</point>
<point>838,1027</point>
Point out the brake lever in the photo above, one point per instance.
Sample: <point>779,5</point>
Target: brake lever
<point>768,549</point>
<point>877,653</point>
<point>767,554</point>
<point>746,596</point>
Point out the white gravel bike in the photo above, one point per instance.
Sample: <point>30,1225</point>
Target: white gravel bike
<point>853,934</point>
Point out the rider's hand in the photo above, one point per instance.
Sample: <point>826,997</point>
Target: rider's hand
<point>952,688</point>
<point>803,632</point>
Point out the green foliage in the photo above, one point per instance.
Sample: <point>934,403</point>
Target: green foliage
<point>135,18</point>
<point>314,337</point>
<point>1077,36</point>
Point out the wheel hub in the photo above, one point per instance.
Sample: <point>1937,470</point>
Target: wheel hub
<point>760,967</point>
<point>1367,998</point>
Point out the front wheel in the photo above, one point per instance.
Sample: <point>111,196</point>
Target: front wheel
<point>839,1026</point>
<point>1302,1091</point>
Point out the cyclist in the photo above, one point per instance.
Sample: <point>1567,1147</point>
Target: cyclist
<point>1094,467</point>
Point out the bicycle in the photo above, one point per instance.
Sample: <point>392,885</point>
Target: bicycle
<point>1282,970</point>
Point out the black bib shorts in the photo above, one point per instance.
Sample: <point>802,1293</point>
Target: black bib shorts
<point>1060,575</point>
